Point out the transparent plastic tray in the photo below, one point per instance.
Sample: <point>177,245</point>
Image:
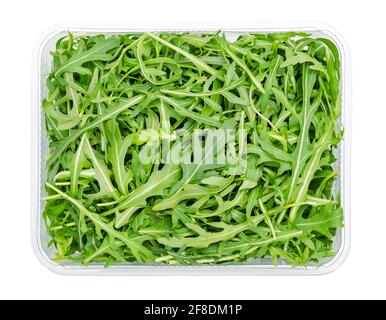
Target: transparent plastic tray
<point>40,238</point>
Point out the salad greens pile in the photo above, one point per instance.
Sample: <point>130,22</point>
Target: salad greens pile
<point>110,96</point>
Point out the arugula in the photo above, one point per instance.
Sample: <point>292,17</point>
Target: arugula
<point>110,97</point>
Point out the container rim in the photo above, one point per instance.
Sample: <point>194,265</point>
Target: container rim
<point>244,269</point>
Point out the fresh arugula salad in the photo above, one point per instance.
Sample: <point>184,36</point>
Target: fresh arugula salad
<point>193,149</point>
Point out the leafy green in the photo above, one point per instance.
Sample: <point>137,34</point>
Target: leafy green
<point>112,100</point>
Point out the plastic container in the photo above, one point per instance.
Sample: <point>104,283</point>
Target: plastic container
<point>42,64</point>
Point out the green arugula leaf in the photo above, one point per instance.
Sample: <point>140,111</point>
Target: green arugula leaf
<point>321,222</point>
<point>82,55</point>
<point>157,183</point>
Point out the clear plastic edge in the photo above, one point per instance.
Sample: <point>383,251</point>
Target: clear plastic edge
<point>245,270</point>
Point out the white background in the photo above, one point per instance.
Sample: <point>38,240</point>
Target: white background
<point>363,25</point>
